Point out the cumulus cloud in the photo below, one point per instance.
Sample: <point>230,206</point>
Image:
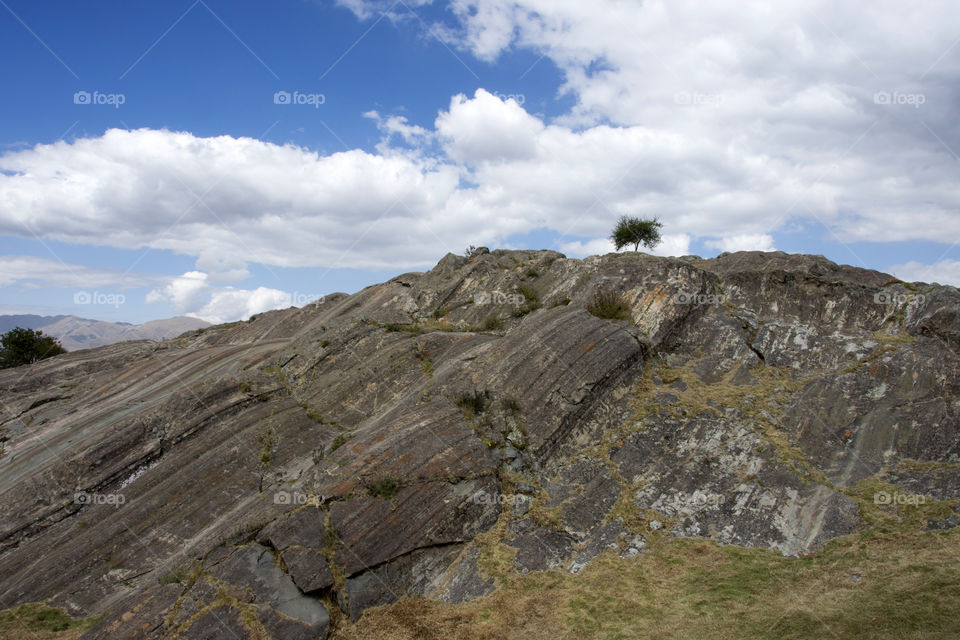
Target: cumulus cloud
<point>488,129</point>
<point>230,201</point>
<point>943,272</point>
<point>185,293</point>
<point>193,294</point>
<point>757,116</point>
<point>225,197</point>
<point>729,122</point>
<point>239,304</point>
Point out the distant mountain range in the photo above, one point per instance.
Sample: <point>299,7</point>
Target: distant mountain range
<point>82,333</point>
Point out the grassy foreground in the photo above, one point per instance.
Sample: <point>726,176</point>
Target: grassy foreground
<point>897,586</point>
<point>39,622</point>
<point>894,581</point>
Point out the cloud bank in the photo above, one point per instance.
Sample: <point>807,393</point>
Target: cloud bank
<point>732,123</point>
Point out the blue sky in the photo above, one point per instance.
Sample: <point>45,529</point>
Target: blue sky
<point>151,164</point>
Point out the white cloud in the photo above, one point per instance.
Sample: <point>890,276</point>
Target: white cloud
<point>578,249</point>
<point>31,272</point>
<point>726,121</point>
<point>185,293</point>
<point>229,201</point>
<point>231,304</point>
<point>750,115</point>
<point>222,268</point>
<point>673,245</point>
<point>743,242</point>
<point>488,129</point>
<point>943,272</point>
<point>398,126</point>
<point>192,294</point>
<point>223,197</point>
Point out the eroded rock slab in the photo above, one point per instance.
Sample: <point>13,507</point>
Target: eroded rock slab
<point>244,477</point>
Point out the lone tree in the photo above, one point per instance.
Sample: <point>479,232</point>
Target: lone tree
<point>23,346</point>
<point>636,231</point>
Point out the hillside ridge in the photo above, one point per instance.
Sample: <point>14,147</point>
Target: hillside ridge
<point>513,411</point>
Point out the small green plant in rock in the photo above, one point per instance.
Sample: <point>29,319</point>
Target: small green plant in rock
<point>338,442</point>
<point>268,442</point>
<point>531,300</point>
<point>510,404</point>
<point>473,403</point>
<point>174,577</point>
<point>609,305</point>
<point>384,487</point>
<point>492,323</point>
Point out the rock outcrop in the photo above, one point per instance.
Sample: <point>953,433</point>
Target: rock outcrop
<point>277,476</point>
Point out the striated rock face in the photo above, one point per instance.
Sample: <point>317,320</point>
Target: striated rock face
<point>275,477</point>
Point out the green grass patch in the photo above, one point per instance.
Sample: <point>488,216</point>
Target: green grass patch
<point>384,487</point>
<point>415,329</point>
<point>37,620</point>
<point>609,305</point>
<point>531,300</point>
<point>316,416</point>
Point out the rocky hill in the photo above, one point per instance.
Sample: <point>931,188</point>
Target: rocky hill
<point>450,433</point>
<point>82,333</point>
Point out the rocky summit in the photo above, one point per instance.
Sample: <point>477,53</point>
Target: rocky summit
<point>276,478</point>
